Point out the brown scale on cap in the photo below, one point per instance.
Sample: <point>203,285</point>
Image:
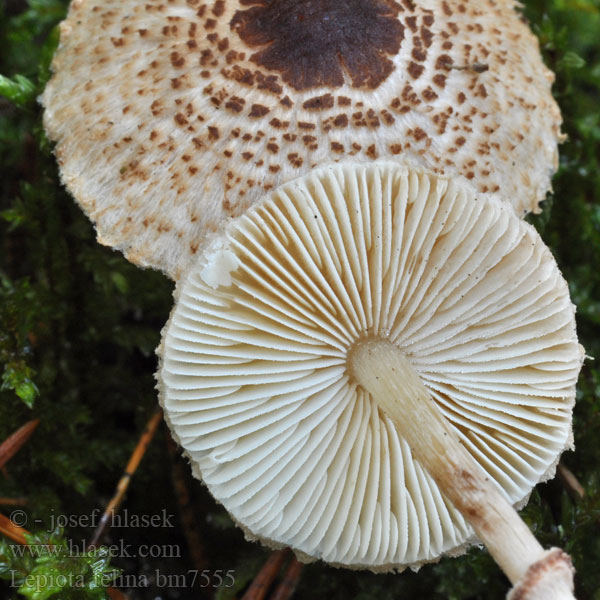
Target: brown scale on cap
<point>153,104</point>
<point>352,36</point>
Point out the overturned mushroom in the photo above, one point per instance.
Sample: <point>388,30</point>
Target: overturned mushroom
<point>369,360</point>
<point>170,117</point>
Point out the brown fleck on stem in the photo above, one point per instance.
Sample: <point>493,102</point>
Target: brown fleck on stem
<point>550,578</point>
<point>384,371</point>
<point>570,482</point>
<point>285,590</point>
<point>123,484</point>
<point>260,585</point>
<point>12,444</point>
<point>187,514</point>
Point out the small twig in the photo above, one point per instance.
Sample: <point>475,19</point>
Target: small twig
<point>13,501</point>
<point>12,531</point>
<point>186,511</point>
<point>570,482</point>
<point>260,585</point>
<point>285,590</point>
<point>115,594</point>
<point>123,484</point>
<point>475,67</point>
<point>12,444</point>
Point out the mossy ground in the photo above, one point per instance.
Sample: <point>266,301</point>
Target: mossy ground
<point>78,328</point>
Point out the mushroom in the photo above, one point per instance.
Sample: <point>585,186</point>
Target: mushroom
<point>171,117</point>
<point>372,365</point>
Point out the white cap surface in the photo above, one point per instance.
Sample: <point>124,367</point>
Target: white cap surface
<point>171,117</point>
<point>255,379</point>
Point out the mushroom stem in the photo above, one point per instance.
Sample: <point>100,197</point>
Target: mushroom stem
<point>383,370</point>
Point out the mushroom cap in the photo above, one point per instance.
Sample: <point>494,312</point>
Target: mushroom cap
<point>257,386</point>
<point>171,117</point>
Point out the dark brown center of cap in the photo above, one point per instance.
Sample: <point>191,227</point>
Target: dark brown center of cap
<point>312,42</point>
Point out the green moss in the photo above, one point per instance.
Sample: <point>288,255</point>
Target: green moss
<point>48,567</point>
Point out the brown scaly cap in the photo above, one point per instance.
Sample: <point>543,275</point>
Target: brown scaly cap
<point>171,117</point>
